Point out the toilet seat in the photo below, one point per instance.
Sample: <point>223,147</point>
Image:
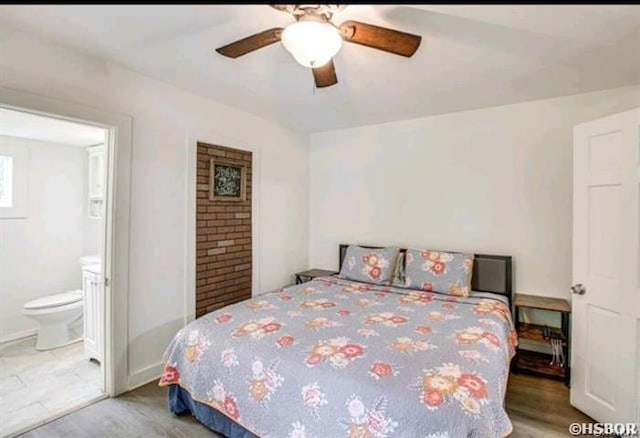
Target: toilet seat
<point>53,301</point>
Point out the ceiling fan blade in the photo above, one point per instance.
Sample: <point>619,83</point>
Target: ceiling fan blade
<point>381,38</point>
<point>251,43</point>
<point>325,76</point>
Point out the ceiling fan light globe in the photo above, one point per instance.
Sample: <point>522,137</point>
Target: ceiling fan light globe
<point>311,43</point>
<point>316,63</point>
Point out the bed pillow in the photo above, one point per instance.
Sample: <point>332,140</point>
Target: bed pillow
<point>369,265</point>
<point>439,271</point>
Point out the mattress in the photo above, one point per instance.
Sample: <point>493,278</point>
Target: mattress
<point>334,357</point>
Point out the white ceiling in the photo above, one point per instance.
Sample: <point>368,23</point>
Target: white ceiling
<point>472,56</point>
<point>35,127</point>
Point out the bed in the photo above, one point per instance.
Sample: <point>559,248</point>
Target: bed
<point>335,357</point>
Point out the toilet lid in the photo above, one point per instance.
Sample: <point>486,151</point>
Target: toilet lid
<point>55,300</point>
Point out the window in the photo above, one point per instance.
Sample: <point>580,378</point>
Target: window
<point>6,181</point>
<point>14,165</point>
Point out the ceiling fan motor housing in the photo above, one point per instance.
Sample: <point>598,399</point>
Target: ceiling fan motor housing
<point>298,11</point>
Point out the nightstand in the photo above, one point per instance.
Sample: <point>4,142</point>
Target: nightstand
<point>309,275</point>
<point>527,361</point>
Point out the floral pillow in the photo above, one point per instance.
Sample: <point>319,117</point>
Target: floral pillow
<point>439,271</point>
<point>369,265</point>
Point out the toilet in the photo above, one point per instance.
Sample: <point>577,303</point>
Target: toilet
<point>54,313</point>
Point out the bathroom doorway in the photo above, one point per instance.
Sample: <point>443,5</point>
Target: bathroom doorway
<point>55,187</point>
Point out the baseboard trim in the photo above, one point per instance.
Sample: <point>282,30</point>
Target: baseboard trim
<point>145,375</point>
<point>19,335</point>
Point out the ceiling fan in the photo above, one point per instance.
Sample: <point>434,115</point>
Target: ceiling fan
<point>314,40</point>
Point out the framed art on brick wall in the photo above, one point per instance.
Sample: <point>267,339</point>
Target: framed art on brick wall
<point>223,227</point>
<point>227,181</point>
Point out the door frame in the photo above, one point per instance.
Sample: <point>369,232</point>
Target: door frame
<point>194,136</point>
<point>117,219</point>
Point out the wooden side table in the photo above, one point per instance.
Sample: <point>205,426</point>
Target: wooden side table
<point>540,363</point>
<point>309,275</point>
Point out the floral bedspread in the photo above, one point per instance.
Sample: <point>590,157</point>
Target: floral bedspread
<point>332,358</point>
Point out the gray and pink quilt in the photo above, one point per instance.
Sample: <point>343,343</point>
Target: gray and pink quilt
<point>333,357</point>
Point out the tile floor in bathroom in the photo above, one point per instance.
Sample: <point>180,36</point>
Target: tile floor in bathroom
<point>37,385</point>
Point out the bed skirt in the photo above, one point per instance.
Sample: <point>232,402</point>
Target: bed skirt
<point>180,403</point>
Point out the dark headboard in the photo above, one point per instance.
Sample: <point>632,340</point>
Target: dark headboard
<point>491,273</point>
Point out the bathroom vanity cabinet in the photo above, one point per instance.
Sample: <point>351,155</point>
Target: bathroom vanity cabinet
<point>93,312</point>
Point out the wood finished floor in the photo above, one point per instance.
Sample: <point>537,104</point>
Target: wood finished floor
<point>537,407</point>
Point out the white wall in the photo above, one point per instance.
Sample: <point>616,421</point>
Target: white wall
<point>496,180</point>
<point>39,254</point>
<point>163,119</point>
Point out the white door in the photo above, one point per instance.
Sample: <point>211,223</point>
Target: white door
<point>606,257</point>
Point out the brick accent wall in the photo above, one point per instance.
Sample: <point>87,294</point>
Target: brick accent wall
<point>223,236</point>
